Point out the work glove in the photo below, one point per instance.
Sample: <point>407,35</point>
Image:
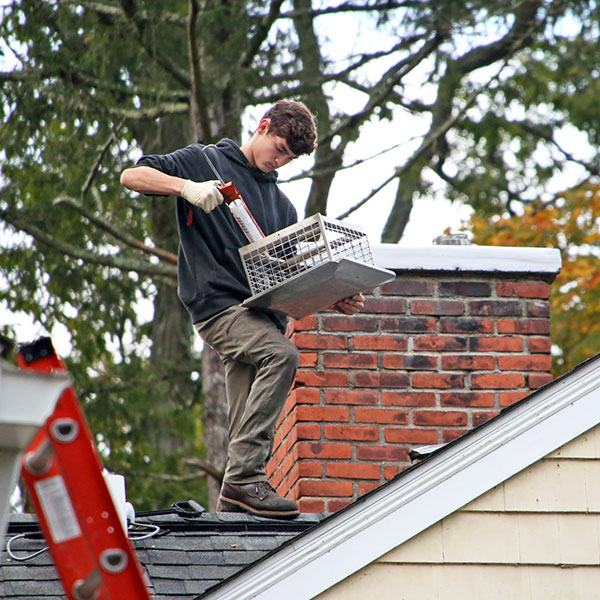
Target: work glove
<point>203,194</point>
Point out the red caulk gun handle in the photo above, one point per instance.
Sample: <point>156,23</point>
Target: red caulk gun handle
<point>229,191</point>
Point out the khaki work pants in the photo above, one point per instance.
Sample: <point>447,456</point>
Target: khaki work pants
<point>260,366</point>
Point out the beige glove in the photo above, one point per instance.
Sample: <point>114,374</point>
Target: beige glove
<point>204,194</point>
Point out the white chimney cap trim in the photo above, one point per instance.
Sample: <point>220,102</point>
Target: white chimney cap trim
<point>501,259</point>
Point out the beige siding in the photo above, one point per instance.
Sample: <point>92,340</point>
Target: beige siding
<point>535,536</point>
<point>467,582</point>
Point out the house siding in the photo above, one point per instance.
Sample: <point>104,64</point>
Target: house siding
<point>536,536</point>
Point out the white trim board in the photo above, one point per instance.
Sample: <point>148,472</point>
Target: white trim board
<point>451,478</point>
<point>501,259</point>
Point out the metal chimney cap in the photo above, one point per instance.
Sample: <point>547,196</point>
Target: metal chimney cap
<point>452,239</point>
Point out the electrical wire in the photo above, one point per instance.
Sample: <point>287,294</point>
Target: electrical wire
<point>10,552</point>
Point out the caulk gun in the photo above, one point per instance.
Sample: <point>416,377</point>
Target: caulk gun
<point>234,201</point>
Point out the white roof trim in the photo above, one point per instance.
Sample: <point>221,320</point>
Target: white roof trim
<point>474,464</point>
<point>502,259</point>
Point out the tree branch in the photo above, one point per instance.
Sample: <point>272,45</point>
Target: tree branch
<point>116,233</point>
<point>428,140</point>
<point>261,33</point>
<point>169,272</point>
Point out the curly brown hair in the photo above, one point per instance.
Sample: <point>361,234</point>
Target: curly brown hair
<point>293,121</point>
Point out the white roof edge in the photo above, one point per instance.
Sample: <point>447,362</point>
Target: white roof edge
<point>465,470</point>
<point>503,259</point>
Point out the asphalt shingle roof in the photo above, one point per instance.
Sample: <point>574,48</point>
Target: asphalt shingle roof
<point>185,559</point>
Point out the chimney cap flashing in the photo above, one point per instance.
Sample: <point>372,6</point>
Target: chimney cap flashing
<point>489,259</point>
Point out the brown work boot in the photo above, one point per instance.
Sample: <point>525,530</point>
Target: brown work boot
<point>256,498</point>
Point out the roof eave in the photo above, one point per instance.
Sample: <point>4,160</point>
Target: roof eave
<point>454,476</point>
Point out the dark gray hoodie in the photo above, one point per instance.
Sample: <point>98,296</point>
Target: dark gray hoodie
<point>211,275</point>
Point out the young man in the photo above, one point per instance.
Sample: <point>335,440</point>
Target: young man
<point>260,362</point>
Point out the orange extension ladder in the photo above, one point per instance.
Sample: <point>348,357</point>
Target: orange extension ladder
<point>62,470</point>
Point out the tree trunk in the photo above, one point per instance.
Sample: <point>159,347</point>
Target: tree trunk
<point>215,418</point>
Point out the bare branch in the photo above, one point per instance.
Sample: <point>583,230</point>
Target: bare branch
<point>428,140</point>
<point>377,7</point>
<point>96,166</point>
<point>115,232</point>
<point>169,272</point>
<point>261,33</point>
<point>153,112</point>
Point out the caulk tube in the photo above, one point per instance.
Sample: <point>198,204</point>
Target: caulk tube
<point>242,215</point>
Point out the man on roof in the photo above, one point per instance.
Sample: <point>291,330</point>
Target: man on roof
<point>260,361</point>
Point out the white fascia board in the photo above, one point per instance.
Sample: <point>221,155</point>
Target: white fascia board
<point>501,259</point>
<point>401,509</point>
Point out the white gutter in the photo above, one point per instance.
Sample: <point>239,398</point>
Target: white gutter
<point>474,464</point>
<point>502,259</point>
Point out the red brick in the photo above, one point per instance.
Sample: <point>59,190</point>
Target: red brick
<point>307,431</point>
<point>411,436</point>
<point>380,342</point>
<point>353,471</point>
<point>451,434</point>
<point>335,505</point>
<point>409,287</point>
<point>482,417</point>
<point>351,432</point>
<point>496,308</point>
<point>349,397</point>
<point>508,398</point>
<point>310,505</point>
<point>394,306</point>
<point>323,413</point>
<point>525,363</point>
<point>408,324</point>
<point>407,399</point>
<point>347,360</point>
<point>380,415</point>
<point>286,426</point>
<point>466,325</point>
<point>524,326</point>
<point>325,488</point>
<point>350,323</point>
<point>438,381</point>
<point>365,487</point>
<point>539,308</point>
<point>323,451</point>
<point>537,380</point>
<point>421,362</point>
<point>496,344</point>
<point>468,362</point>
<point>390,471</point>
<point>498,381</point>
<point>305,395</point>
<point>306,324</point>
<point>324,379</point>
<point>464,289</point>
<point>523,289</point>
<point>482,399</point>
<point>379,453</point>
<point>308,359</point>
<point>385,379</point>
<point>317,341</point>
<point>541,345</point>
<point>310,469</point>
<point>440,344</point>
<point>446,418</point>
<point>437,307</point>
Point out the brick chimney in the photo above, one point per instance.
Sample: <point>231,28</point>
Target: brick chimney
<point>462,332</point>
